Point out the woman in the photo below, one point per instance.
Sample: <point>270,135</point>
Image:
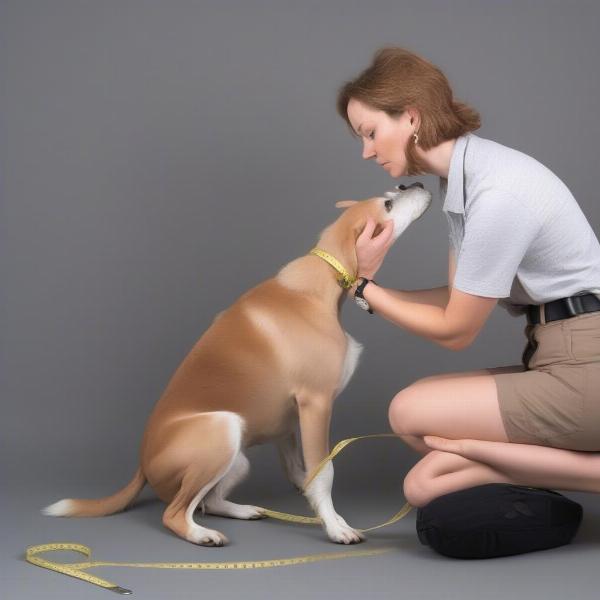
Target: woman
<point>518,238</point>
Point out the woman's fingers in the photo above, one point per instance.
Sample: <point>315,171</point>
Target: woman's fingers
<point>386,234</point>
<point>370,251</point>
<point>389,229</point>
<point>367,232</point>
<point>382,237</point>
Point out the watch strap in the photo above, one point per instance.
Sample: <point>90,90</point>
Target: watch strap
<point>361,286</point>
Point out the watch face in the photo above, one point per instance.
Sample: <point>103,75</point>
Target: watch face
<point>361,302</point>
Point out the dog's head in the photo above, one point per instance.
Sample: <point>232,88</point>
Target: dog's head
<point>404,205</point>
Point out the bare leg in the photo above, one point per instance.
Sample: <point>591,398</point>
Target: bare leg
<point>539,466</point>
<point>463,410</point>
<point>459,464</point>
<point>416,441</point>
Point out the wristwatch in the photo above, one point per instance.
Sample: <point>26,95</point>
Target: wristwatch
<point>358,294</point>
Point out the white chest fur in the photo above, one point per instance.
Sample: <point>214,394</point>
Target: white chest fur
<point>353,352</point>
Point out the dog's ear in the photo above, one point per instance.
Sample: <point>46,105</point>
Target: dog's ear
<point>345,203</point>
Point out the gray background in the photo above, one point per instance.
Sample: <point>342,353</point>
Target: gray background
<point>157,160</point>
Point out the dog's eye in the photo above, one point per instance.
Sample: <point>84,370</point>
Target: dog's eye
<point>401,187</point>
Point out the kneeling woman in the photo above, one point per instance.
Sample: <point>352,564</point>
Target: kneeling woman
<point>518,238</point>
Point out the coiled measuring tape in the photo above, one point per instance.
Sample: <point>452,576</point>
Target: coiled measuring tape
<point>77,570</point>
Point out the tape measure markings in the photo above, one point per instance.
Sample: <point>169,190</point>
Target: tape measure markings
<point>77,570</point>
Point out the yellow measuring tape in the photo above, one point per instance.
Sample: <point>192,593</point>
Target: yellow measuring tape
<point>78,569</point>
<point>346,280</point>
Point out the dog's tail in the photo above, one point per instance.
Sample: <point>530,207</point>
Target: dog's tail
<point>71,507</point>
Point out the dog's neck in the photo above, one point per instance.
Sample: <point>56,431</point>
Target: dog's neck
<point>312,275</point>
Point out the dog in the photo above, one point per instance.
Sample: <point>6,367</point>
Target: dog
<point>268,367</point>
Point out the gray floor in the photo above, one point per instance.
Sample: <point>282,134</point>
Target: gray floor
<point>410,571</point>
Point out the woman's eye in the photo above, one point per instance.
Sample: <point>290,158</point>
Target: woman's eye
<point>371,135</point>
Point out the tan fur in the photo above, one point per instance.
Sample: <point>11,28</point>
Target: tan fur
<point>274,359</point>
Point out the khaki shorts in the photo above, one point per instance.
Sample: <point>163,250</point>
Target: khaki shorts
<point>555,400</point>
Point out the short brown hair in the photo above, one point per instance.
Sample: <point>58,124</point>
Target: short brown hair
<point>398,79</point>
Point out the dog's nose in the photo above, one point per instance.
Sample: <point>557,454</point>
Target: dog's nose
<point>416,183</point>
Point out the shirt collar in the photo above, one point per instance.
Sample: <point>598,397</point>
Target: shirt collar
<point>454,186</point>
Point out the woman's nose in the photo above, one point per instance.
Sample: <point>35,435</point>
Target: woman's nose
<point>367,151</point>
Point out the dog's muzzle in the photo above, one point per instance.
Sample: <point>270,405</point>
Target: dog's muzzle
<point>415,184</point>
<point>391,196</point>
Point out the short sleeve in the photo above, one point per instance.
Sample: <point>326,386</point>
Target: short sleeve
<point>499,229</point>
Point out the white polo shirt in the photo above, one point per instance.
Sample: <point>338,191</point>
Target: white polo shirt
<point>517,232</point>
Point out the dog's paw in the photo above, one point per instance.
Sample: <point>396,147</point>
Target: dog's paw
<point>224,508</point>
<point>342,533</point>
<point>207,537</point>
<point>251,512</point>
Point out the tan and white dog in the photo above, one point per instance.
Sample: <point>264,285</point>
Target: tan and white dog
<point>274,360</point>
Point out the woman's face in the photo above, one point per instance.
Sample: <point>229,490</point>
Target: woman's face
<point>384,138</point>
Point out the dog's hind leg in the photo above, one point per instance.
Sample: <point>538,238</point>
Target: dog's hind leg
<point>215,503</point>
<point>206,449</point>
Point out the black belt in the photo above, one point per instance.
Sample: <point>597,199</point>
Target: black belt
<point>563,308</point>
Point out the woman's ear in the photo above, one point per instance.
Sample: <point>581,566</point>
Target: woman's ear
<point>345,203</point>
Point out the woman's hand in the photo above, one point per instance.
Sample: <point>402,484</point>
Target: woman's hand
<point>370,251</point>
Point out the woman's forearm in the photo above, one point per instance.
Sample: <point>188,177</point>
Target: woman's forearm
<point>437,296</point>
<point>420,311</point>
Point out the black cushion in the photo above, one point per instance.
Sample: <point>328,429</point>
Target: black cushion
<point>497,519</point>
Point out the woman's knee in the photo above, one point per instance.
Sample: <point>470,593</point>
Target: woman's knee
<point>403,403</point>
<point>413,491</point>
<point>399,408</point>
<point>417,482</point>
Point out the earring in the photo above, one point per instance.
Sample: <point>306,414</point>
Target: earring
<point>416,137</point>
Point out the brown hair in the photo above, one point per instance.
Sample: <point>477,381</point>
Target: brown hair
<point>398,79</point>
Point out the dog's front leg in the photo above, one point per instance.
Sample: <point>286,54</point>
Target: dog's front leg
<point>315,416</point>
<point>290,454</point>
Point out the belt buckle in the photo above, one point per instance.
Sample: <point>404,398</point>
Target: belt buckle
<point>574,305</point>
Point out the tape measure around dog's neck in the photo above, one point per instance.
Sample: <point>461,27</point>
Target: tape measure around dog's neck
<point>78,569</point>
